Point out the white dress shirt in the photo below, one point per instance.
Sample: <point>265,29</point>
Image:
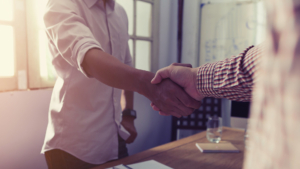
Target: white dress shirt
<point>85,114</point>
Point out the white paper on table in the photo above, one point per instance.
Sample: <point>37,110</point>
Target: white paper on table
<point>151,164</point>
<point>118,167</point>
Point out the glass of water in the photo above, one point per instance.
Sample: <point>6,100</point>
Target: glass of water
<point>214,129</point>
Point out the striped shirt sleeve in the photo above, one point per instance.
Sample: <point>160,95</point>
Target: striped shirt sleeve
<point>231,78</point>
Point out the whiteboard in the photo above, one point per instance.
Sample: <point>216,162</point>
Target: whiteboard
<point>226,29</point>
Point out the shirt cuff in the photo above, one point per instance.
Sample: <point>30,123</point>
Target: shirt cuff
<point>205,80</point>
<point>80,50</point>
<point>221,80</point>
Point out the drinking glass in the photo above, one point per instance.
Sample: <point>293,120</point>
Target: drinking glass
<point>214,129</point>
<point>246,138</point>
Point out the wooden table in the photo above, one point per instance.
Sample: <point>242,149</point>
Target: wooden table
<point>183,154</point>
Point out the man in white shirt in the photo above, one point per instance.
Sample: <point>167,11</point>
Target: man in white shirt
<point>89,43</point>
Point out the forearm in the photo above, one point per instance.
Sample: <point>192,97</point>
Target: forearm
<point>110,71</point>
<point>168,96</point>
<point>231,78</point>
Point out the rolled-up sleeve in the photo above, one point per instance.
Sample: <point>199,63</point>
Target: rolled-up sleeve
<point>69,32</point>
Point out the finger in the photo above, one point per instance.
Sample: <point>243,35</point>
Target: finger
<point>128,141</point>
<point>185,111</point>
<point>188,101</point>
<point>160,75</point>
<point>173,105</point>
<point>182,64</point>
<point>181,102</point>
<point>163,114</point>
<point>154,107</point>
<point>175,113</point>
<point>131,138</point>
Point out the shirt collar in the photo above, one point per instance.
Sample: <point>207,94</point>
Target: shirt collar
<point>91,3</point>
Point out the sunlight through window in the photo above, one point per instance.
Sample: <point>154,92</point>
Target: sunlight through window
<point>6,10</point>
<point>128,6</point>
<point>143,53</point>
<point>7,55</point>
<point>43,53</point>
<point>144,18</point>
<point>46,68</point>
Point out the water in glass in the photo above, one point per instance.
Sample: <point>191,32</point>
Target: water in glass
<point>214,129</point>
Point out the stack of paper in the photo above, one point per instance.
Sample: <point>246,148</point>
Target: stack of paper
<point>222,147</point>
<point>152,164</point>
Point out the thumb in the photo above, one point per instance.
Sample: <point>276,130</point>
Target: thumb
<point>183,65</point>
<point>160,75</point>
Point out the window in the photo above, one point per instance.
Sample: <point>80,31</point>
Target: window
<point>143,31</point>
<point>41,71</point>
<point>7,53</point>
<point>12,49</point>
<point>25,60</point>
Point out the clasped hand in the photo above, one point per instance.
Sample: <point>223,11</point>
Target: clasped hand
<point>183,102</point>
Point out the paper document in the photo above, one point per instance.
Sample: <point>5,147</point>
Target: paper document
<point>119,167</point>
<point>151,164</point>
<point>222,147</point>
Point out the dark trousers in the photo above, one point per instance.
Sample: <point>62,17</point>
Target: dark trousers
<point>58,159</point>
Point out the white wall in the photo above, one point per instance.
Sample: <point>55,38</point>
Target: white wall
<point>191,43</point>
<point>190,33</point>
<point>23,120</point>
<point>23,115</point>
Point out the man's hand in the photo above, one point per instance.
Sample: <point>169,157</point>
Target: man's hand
<point>182,74</point>
<point>128,124</point>
<point>172,99</point>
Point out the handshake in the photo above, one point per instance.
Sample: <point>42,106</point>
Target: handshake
<point>177,90</point>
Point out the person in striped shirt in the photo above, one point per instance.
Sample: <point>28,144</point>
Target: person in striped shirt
<point>268,75</point>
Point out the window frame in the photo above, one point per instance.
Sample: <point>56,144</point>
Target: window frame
<point>26,46</point>
<point>153,39</point>
<point>17,81</point>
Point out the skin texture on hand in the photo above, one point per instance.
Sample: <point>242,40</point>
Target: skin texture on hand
<point>128,124</point>
<point>183,75</point>
<point>171,98</point>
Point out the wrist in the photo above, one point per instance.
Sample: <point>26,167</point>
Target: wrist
<point>198,94</point>
<point>129,113</point>
<point>129,119</point>
<point>144,86</point>
<point>194,72</point>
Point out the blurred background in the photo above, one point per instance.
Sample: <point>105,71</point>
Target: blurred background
<point>161,32</point>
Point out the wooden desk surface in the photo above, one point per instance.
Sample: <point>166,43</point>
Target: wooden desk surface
<point>183,154</point>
